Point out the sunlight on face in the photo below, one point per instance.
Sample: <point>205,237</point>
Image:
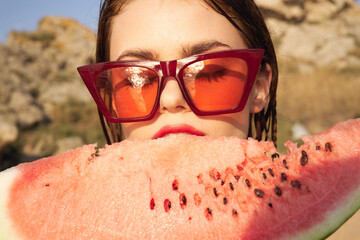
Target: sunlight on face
<point>166,30</point>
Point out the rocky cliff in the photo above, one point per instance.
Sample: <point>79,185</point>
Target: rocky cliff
<point>315,33</point>
<point>45,108</point>
<point>38,79</point>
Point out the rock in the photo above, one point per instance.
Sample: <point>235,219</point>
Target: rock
<point>67,144</point>
<point>334,50</point>
<point>61,94</point>
<point>9,133</point>
<point>318,46</point>
<point>37,148</point>
<point>29,116</point>
<point>315,33</point>
<point>27,113</point>
<point>290,10</point>
<point>19,100</point>
<point>311,11</point>
<point>321,10</point>
<point>352,21</point>
<point>71,38</point>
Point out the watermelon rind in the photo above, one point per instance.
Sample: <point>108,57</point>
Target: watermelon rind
<point>6,229</point>
<point>333,220</point>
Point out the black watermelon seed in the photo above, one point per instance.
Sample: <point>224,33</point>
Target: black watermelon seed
<point>270,204</point>
<point>328,147</point>
<point>278,191</point>
<point>259,193</point>
<point>275,155</point>
<point>304,158</point>
<point>208,214</point>
<point>183,201</point>
<point>234,213</point>
<point>295,184</point>
<point>152,204</point>
<point>271,172</point>
<point>318,147</point>
<point>215,192</point>
<point>285,164</point>
<point>222,182</point>
<point>247,182</point>
<point>175,185</point>
<point>225,201</point>
<point>264,176</point>
<point>237,177</point>
<point>283,177</point>
<point>231,186</point>
<point>167,205</point>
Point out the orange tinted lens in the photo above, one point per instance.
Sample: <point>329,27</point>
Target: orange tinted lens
<point>216,84</point>
<point>129,92</point>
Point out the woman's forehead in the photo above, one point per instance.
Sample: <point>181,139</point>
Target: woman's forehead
<point>166,26</point>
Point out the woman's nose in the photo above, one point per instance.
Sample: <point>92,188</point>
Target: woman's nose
<point>171,99</point>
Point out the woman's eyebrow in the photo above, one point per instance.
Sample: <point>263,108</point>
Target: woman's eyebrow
<point>201,47</point>
<point>142,54</point>
<point>186,50</point>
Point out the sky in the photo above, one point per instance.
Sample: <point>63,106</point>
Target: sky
<point>23,15</point>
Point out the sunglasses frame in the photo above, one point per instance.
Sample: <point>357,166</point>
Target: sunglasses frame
<point>172,68</point>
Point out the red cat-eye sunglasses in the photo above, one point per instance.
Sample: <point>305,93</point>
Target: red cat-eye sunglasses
<point>211,83</point>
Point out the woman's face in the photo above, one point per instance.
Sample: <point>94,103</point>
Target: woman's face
<point>172,29</point>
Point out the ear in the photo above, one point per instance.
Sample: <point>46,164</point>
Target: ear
<point>261,89</point>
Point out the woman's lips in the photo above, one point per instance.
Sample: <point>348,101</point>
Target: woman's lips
<point>179,128</point>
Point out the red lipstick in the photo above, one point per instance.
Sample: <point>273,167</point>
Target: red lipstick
<point>179,128</point>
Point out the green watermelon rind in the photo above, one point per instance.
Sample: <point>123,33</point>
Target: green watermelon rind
<point>334,219</point>
<point>6,179</point>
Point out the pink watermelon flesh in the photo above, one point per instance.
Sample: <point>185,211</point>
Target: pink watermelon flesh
<point>187,187</point>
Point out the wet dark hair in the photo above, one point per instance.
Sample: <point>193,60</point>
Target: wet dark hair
<point>263,125</point>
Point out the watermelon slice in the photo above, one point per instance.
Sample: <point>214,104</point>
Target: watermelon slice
<point>187,187</point>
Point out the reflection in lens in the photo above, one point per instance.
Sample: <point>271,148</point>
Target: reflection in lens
<point>133,91</point>
<point>136,77</point>
<point>193,69</point>
<point>218,85</point>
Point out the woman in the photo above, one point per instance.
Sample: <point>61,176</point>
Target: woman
<point>216,87</point>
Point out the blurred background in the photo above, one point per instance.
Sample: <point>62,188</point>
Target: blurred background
<point>45,109</point>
